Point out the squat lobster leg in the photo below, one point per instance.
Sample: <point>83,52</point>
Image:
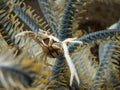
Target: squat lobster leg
<point>44,59</point>
<point>27,33</point>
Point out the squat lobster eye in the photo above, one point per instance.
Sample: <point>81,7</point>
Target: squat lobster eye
<point>46,41</point>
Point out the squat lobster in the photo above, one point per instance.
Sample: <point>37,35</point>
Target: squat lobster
<point>52,46</point>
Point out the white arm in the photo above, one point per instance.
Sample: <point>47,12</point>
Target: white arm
<point>70,64</point>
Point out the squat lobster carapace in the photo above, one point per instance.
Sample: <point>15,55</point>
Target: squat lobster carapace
<point>52,46</point>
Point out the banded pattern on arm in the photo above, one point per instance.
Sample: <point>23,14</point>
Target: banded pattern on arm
<point>84,60</point>
<point>109,63</point>
<point>70,11</point>
<point>108,73</point>
<point>60,76</point>
<point>86,65</point>
<point>22,72</point>
<point>9,26</point>
<point>53,13</point>
<point>12,73</point>
<point>28,16</point>
<point>96,37</point>
<point>65,30</point>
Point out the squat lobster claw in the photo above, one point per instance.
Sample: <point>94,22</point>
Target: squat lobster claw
<point>52,46</point>
<point>69,61</point>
